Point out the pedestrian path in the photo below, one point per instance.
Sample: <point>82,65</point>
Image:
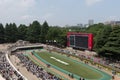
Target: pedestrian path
<point>1,78</point>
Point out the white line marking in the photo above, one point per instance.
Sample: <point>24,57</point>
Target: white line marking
<point>59,60</point>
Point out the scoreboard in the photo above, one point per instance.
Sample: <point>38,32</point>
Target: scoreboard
<point>80,40</point>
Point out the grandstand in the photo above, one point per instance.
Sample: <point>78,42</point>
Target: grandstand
<point>21,61</point>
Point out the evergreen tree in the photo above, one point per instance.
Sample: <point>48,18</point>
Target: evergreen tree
<point>57,34</point>
<point>113,43</point>
<point>34,31</point>
<point>22,29</point>
<point>11,32</point>
<point>1,33</point>
<point>102,38</point>
<point>44,31</point>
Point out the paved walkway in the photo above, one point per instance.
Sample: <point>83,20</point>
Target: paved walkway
<point>1,78</point>
<point>22,69</point>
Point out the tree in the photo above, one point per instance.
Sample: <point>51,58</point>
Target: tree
<point>14,32</point>
<point>22,29</point>
<point>95,28</point>
<point>102,38</point>
<point>57,34</point>
<point>33,32</point>
<point>11,32</point>
<point>1,33</point>
<point>62,39</point>
<point>113,44</point>
<point>53,33</point>
<point>44,31</point>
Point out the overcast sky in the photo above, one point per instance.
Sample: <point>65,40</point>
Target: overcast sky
<point>58,12</point>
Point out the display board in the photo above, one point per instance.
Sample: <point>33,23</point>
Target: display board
<point>80,40</point>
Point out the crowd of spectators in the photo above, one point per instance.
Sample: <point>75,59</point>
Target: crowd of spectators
<point>35,69</point>
<point>10,74</point>
<point>6,70</point>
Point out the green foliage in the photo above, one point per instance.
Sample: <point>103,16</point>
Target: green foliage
<point>22,29</point>
<point>53,33</point>
<point>11,32</point>
<point>113,43</point>
<point>102,38</point>
<point>106,37</point>
<point>96,31</point>
<point>33,32</point>
<point>1,33</point>
<point>58,34</point>
<point>76,28</point>
<point>44,31</point>
<point>95,28</point>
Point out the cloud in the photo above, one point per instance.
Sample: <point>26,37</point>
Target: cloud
<point>25,17</point>
<point>28,17</point>
<point>17,3</point>
<point>15,7</point>
<point>11,10</point>
<point>92,2</point>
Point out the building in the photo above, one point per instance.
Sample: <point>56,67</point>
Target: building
<point>80,25</point>
<point>117,22</point>
<point>90,22</point>
<point>112,23</point>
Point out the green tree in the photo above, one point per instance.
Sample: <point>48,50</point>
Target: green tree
<point>53,33</point>
<point>57,34</point>
<point>44,32</point>
<point>62,39</point>
<point>22,29</point>
<point>95,28</point>
<point>113,44</point>
<point>96,31</point>
<point>102,38</point>
<point>33,32</point>
<point>11,32</point>
<point>1,33</point>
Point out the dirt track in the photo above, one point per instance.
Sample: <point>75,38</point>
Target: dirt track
<point>22,69</point>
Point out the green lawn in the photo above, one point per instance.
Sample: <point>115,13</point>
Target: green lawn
<point>73,66</point>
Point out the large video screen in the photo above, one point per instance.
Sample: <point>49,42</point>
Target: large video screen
<point>72,42</point>
<point>81,42</point>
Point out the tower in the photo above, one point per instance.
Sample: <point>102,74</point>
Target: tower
<point>90,22</point>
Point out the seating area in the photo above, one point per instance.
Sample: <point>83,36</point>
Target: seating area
<point>7,72</point>
<point>35,69</point>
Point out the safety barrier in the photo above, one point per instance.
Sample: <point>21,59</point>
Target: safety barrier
<point>14,67</point>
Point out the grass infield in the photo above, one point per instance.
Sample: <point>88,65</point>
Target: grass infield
<point>73,66</point>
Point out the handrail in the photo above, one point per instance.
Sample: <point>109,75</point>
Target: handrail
<point>14,67</point>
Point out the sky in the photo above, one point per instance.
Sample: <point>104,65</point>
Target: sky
<point>58,12</point>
